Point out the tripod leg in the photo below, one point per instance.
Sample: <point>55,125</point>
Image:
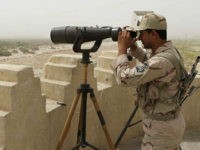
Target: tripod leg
<point>79,133</point>
<point>103,124</point>
<point>126,126</point>
<point>81,137</point>
<point>68,121</point>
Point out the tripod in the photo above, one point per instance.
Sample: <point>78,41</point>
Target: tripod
<point>83,91</point>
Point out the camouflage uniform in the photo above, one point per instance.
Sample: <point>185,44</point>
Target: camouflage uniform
<point>157,87</point>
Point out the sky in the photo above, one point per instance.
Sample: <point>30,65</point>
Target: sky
<point>36,18</point>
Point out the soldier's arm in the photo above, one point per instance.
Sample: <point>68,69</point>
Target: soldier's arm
<point>139,54</point>
<point>152,69</point>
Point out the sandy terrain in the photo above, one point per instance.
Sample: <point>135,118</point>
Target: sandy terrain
<point>38,60</point>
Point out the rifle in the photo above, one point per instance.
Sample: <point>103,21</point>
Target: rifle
<point>187,89</point>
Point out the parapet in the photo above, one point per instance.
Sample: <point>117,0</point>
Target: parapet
<point>33,110</point>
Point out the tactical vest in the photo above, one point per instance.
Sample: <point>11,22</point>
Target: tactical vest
<point>148,103</point>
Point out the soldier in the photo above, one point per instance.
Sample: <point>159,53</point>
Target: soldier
<point>157,79</point>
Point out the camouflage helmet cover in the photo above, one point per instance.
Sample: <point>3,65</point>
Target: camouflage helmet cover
<point>151,21</point>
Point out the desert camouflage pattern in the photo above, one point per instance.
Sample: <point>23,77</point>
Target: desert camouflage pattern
<point>163,135</point>
<point>157,86</point>
<point>152,21</point>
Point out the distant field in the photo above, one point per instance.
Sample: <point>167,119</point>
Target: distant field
<point>189,48</point>
<point>10,47</point>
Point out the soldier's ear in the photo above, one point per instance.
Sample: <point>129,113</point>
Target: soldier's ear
<point>154,34</point>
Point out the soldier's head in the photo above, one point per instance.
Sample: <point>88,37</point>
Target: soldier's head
<point>152,28</point>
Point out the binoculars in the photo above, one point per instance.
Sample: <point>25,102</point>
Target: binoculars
<point>77,35</point>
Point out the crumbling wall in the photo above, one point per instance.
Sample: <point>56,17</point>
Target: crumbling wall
<point>23,122</point>
<point>33,110</point>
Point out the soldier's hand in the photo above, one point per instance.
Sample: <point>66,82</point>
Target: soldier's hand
<point>124,42</point>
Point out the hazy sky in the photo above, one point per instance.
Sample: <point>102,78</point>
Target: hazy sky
<point>36,18</point>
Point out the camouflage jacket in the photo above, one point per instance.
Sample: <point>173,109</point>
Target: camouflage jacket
<point>155,78</point>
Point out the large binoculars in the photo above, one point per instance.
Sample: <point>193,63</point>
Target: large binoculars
<point>78,35</point>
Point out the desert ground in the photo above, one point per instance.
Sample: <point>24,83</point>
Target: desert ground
<point>37,52</point>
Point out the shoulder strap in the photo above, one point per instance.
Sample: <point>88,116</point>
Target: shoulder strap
<point>178,63</point>
<point>181,74</point>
